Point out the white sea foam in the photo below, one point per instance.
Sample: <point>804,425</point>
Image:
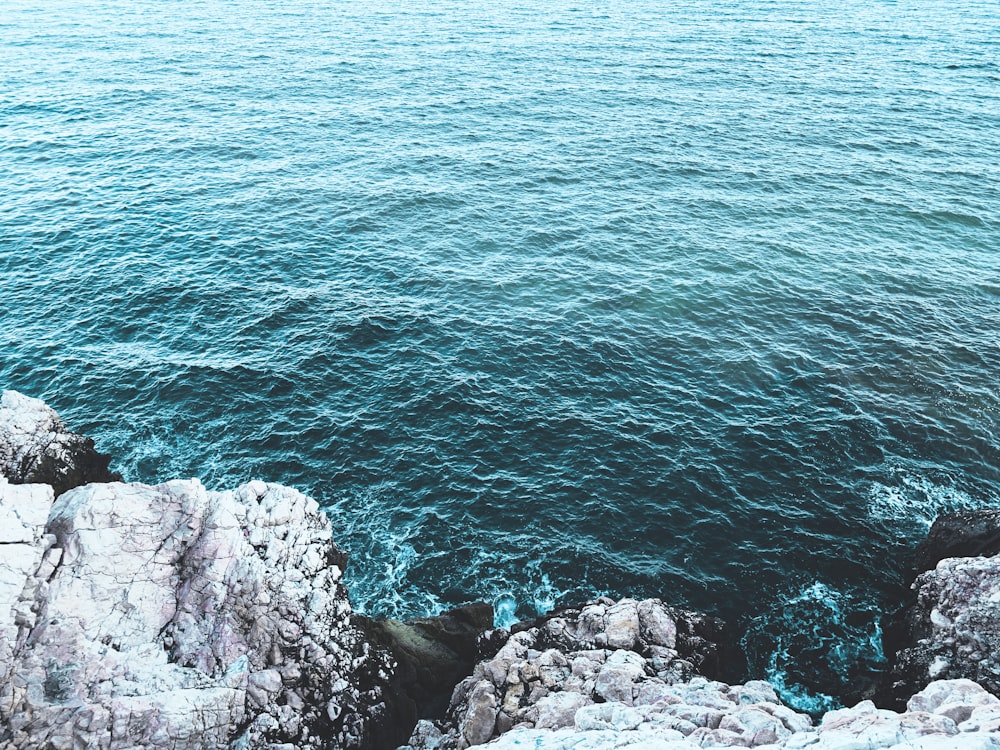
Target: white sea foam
<point>505,610</point>
<point>916,500</point>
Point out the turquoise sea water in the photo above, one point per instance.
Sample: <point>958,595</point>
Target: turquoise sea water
<point>697,300</point>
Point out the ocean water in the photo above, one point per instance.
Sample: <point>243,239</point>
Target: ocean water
<point>697,300</point>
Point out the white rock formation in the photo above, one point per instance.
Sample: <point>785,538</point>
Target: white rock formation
<point>24,509</point>
<point>625,653</point>
<point>611,675</point>
<point>947,715</point>
<point>174,617</point>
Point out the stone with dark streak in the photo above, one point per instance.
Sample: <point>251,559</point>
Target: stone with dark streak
<point>36,447</point>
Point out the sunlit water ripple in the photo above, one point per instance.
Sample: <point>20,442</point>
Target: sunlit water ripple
<point>695,300</point>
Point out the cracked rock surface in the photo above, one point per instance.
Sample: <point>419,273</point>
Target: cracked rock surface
<point>37,447</point>
<point>168,616</point>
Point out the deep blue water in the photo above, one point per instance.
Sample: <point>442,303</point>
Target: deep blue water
<point>697,300</point>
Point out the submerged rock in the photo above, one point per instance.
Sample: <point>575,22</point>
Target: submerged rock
<point>433,653</point>
<point>37,448</point>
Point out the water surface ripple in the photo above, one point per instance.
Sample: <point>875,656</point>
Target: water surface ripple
<point>696,300</point>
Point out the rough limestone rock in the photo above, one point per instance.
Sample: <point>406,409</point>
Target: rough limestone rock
<point>134,616</point>
<point>24,510</point>
<point>948,715</point>
<point>544,674</point>
<point>36,447</point>
<point>952,630</point>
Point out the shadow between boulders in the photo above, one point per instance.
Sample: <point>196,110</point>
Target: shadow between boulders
<point>434,654</point>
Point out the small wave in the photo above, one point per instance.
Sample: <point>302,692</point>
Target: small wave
<point>514,604</point>
<point>380,580</point>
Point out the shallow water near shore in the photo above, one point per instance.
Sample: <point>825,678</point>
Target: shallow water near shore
<point>540,301</point>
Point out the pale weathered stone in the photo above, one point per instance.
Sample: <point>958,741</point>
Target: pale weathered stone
<point>148,618</point>
<point>559,710</point>
<point>611,715</point>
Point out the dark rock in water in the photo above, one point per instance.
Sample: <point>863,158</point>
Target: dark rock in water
<point>433,653</point>
<point>37,448</point>
<point>964,533</point>
<point>701,640</point>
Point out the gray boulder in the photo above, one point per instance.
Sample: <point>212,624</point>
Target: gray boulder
<point>950,626</point>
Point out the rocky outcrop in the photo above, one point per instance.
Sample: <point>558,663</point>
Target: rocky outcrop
<point>172,617</point>
<point>627,652</point>
<point>964,533</point>
<point>37,448</point>
<point>621,674</point>
<point>168,616</point>
<point>952,630</point>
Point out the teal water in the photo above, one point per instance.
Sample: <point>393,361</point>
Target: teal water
<point>695,300</point>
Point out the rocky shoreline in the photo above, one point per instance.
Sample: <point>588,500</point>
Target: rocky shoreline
<point>170,616</point>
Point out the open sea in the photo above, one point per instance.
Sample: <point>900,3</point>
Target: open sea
<point>694,299</point>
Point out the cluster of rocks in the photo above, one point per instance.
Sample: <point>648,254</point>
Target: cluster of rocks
<point>623,651</point>
<point>170,616</point>
<point>947,715</point>
<point>616,674</point>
